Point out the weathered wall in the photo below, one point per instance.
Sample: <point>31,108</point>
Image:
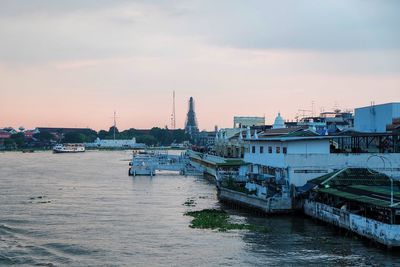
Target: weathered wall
<point>270,205</point>
<point>386,234</point>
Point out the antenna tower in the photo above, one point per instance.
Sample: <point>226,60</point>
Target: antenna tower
<point>115,123</point>
<point>312,108</point>
<point>173,115</point>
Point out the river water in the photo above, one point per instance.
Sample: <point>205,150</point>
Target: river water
<point>84,210</point>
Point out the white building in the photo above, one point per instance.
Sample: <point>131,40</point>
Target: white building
<point>114,144</point>
<point>374,118</point>
<point>299,155</point>
<point>244,121</point>
<point>279,122</point>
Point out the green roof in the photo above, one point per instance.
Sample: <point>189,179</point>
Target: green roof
<point>234,162</point>
<point>385,190</point>
<point>356,197</point>
<point>353,176</point>
<point>360,185</point>
<point>303,133</point>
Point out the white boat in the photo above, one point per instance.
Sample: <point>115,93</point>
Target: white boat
<point>68,148</point>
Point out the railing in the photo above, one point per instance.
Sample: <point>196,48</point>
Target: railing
<point>165,162</point>
<point>233,175</point>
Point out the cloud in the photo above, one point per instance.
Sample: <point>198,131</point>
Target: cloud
<point>312,25</point>
<point>39,31</point>
<point>251,57</point>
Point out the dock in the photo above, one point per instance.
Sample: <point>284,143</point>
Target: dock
<point>148,163</point>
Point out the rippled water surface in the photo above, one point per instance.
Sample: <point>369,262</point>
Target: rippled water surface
<point>84,210</point>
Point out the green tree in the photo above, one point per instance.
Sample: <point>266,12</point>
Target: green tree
<point>44,136</point>
<point>90,135</point>
<point>179,136</point>
<point>146,139</point>
<point>74,137</point>
<point>111,130</point>
<point>102,134</point>
<point>19,139</point>
<point>163,136</point>
<point>9,144</point>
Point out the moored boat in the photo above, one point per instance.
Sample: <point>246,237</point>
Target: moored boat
<point>68,148</point>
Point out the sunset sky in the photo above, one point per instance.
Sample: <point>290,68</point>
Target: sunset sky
<point>72,63</point>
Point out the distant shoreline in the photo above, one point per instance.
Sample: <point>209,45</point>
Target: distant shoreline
<point>32,150</point>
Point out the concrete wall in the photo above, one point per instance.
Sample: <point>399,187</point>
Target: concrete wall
<point>375,118</point>
<point>293,147</point>
<point>270,205</point>
<point>279,160</point>
<point>302,168</point>
<point>309,147</point>
<point>343,160</point>
<point>386,234</point>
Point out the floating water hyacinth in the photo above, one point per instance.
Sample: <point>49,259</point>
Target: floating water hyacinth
<point>218,220</point>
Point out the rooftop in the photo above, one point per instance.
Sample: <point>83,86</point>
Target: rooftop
<point>379,105</point>
<point>360,185</point>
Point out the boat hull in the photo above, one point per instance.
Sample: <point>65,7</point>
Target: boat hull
<point>60,151</point>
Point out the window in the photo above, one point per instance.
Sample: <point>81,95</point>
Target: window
<point>278,149</point>
<point>270,149</point>
<point>284,150</point>
<point>253,149</point>
<point>261,149</point>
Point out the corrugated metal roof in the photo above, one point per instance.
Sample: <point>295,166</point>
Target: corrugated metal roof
<point>358,184</point>
<point>356,197</point>
<point>292,138</point>
<point>282,131</point>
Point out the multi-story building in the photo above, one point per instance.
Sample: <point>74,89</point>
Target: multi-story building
<point>292,156</point>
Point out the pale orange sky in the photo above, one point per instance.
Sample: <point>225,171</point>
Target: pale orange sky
<point>68,65</point>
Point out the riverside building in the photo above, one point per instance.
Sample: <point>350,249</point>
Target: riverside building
<point>280,161</point>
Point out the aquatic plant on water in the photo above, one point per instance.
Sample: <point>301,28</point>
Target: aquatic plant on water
<point>218,220</point>
<point>190,202</point>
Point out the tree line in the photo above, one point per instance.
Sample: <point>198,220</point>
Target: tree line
<point>153,137</point>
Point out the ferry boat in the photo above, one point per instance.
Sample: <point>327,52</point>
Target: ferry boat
<point>68,148</point>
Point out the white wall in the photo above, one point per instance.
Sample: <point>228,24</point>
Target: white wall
<point>302,163</point>
<point>314,164</point>
<point>293,147</point>
<point>265,158</point>
<point>307,147</point>
<point>375,118</point>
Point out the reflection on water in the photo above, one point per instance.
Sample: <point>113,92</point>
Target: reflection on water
<point>83,210</point>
